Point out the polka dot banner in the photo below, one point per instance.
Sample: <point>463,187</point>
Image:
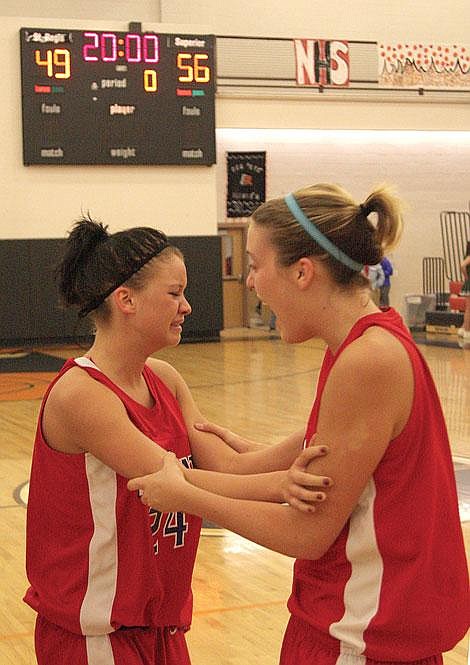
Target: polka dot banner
<point>424,65</point>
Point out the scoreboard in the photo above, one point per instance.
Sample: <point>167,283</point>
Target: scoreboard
<point>97,97</point>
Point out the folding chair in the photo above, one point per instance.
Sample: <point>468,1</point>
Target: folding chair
<point>433,269</point>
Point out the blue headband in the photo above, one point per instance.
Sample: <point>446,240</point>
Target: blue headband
<point>315,233</point>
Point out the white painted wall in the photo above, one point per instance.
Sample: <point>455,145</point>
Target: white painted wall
<point>432,173</point>
<point>109,10</point>
<point>430,167</point>
<point>326,113</point>
<point>341,19</point>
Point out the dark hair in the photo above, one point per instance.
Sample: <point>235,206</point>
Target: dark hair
<point>339,218</point>
<point>97,262</point>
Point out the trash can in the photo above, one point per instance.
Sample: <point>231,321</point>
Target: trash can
<point>416,306</point>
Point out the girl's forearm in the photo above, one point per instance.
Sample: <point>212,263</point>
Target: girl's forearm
<point>259,487</point>
<point>277,527</point>
<point>269,458</point>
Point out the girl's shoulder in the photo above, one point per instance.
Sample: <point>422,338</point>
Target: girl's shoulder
<point>165,372</point>
<point>376,351</point>
<point>76,390</point>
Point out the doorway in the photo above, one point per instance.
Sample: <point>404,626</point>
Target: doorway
<point>234,274</point>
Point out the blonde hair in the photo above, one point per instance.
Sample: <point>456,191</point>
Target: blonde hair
<point>343,221</point>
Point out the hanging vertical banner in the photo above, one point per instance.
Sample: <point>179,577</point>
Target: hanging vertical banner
<point>322,62</point>
<point>246,182</point>
<point>424,65</point>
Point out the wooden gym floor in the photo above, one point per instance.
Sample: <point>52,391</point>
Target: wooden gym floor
<point>255,385</point>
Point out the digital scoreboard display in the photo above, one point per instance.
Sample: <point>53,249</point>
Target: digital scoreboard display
<point>95,97</point>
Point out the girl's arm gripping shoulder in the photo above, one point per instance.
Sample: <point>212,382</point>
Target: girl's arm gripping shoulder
<point>209,451</point>
<point>357,420</point>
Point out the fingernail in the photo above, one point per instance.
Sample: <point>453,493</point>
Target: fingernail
<point>326,482</point>
<point>323,449</point>
<point>320,496</point>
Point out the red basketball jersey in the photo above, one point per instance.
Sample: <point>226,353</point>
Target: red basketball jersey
<point>96,557</point>
<point>394,584</point>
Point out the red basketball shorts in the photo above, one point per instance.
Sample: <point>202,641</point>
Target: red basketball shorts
<point>302,645</point>
<point>129,646</point>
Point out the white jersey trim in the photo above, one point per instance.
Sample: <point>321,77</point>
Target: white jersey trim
<point>97,605</point>
<point>99,650</point>
<point>362,590</point>
<point>83,361</point>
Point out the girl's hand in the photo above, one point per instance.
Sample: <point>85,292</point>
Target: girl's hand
<point>165,489</point>
<point>235,441</point>
<point>301,488</point>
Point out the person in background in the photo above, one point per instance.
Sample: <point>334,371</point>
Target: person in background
<point>272,321</point>
<point>375,275</point>
<point>272,316</point>
<point>111,580</point>
<point>464,331</point>
<point>381,572</point>
<point>387,268</point>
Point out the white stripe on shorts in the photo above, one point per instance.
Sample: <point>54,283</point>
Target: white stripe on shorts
<point>99,650</point>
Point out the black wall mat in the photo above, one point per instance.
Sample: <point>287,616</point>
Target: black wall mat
<point>31,315</point>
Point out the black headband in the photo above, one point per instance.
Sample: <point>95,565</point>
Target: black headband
<point>93,304</point>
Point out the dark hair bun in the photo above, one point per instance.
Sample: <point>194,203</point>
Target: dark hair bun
<point>84,237</point>
<point>86,234</point>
